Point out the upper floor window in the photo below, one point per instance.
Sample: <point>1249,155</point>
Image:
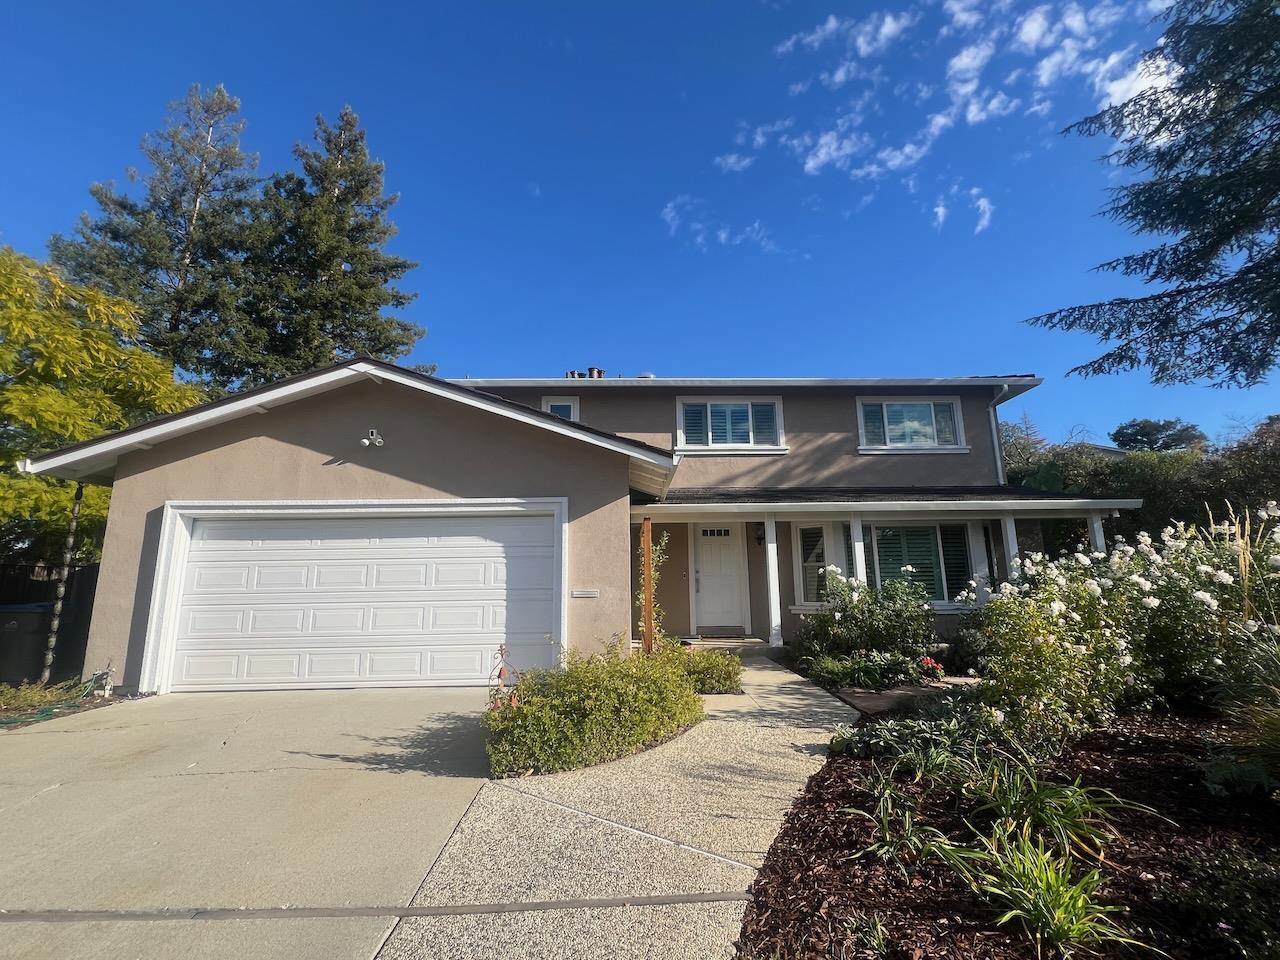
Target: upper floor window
<point>727,424</point>
<point>911,424</point>
<point>563,407</point>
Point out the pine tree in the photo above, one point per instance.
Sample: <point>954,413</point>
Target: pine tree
<point>172,250</point>
<point>318,279</point>
<point>1204,142</point>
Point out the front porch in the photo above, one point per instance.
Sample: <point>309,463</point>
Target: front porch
<point>740,569</point>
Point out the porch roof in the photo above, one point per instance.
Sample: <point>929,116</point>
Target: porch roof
<point>995,499</point>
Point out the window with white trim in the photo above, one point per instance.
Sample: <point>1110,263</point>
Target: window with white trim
<point>715,423</point>
<point>910,423</point>
<point>566,408</point>
<point>934,556</point>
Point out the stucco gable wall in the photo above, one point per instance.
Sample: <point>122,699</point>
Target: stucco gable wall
<point>309,450</point>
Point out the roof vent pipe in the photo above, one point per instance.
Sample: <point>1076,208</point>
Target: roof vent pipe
<point>647,375</point>
<point>595,373</point>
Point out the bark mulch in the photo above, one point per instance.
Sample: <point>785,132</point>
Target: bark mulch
<point>813,893</point>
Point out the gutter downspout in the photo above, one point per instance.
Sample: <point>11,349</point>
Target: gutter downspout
<point>995,433</point>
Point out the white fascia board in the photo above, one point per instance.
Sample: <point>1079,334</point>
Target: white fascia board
<point>1048,507</point>
<point>112,445</point>
<point>94,456</point>
<point>1017,384</point>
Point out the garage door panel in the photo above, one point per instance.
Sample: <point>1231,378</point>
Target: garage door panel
<point>325,602</point>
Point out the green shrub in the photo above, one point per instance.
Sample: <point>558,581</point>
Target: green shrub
<point>595,709</point>
<point>710,671</point>
<point>877,671</point>
<point>896,618</point>
<point>32,695</point>
<point>958,725</point>
<point>1251,697</point>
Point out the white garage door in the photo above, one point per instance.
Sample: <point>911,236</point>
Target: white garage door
<point>363,602</point>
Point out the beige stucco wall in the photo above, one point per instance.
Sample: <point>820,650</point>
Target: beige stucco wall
<point>309,450</point>
<point>820,427</point>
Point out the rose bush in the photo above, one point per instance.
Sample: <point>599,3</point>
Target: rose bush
<point>1069,641</point>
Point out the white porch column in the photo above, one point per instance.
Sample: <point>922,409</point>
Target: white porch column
<point>773,580</point>
<point>1009,531</point>
<point>1097,539</point>
<point>978,558</point>
<point>859,571</point>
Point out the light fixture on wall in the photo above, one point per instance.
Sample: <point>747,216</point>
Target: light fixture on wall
<point>759,534</point>
<point>374,439</point>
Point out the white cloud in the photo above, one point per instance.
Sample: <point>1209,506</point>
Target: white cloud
<point>964,14</point>
<point>733,162</point>
<point>1143,75</point>
<point>799,87</point>
<point>761,135</point>
<point>983,108</point>
<point>842,74</point>
<point>835,147</point>
<point>1040,105</point>
<point>754,233</point>
<point>968,63</point>
<point>673,212</point>
<point>984,207</point>
<point>939,213</point>
<point>1075,20</point>
<point>876,33</point>
<point>915,150</point>
<point>1035,30</point>
<point>831,27</point>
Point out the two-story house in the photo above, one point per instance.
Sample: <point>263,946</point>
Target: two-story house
<point>366,525</point>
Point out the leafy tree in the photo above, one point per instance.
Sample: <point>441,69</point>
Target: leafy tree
<point>1204,138</point>
<point>317,277</point>
<point>173,250</point>
<point>1144,434</point>
<point>1021,443</point>
<point>71,368</point>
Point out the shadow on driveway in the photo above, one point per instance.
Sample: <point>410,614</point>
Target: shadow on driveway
<point>446,745</point>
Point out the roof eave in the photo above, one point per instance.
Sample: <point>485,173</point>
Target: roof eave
<point>95,460</point>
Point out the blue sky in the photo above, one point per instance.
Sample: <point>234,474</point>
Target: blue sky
<point>716,189</point>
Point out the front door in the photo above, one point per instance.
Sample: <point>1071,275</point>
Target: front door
<point>718,579</point>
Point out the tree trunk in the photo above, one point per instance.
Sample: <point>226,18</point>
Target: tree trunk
<point>63,572</point>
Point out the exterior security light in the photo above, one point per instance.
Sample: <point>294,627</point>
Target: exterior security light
<point>374,438</point>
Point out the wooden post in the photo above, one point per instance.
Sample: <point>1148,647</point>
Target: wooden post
<point>646,584</point>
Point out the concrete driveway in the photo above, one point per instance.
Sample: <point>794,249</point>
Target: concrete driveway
<point>260,800</point>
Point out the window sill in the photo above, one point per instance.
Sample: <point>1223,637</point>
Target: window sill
<point>730,451</point>
<point>913,449</point>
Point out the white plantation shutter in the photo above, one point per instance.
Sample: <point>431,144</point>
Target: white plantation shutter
<point>873,434</point>
<point>944,418</point>
<point>764,424</point>
<point>695,424</point>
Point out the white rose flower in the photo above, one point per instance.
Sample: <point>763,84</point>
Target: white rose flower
<point>1221,576</point>
<point>1057,608</point>
<point>1093,588</point>
<point>1206,599</point>
<point>1083,560</point>
<point>1151,602</point>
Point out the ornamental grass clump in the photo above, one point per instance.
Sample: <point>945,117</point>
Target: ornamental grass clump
<point>594,709</point>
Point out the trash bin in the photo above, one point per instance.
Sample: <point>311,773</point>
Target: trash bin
<point>24,634</point>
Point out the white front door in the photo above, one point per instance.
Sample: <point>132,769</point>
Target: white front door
<point>718,576</point>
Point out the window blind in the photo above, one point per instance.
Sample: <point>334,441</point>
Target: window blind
<point>914,547</point>
<point>764,424</point>
<point>873,425</point>
<point>955,558</point>
<point>695,424</point>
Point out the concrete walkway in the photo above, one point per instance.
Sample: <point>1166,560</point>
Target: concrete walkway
<point>693,816</point>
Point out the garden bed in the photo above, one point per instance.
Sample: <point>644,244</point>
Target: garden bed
<point>814,899</point>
